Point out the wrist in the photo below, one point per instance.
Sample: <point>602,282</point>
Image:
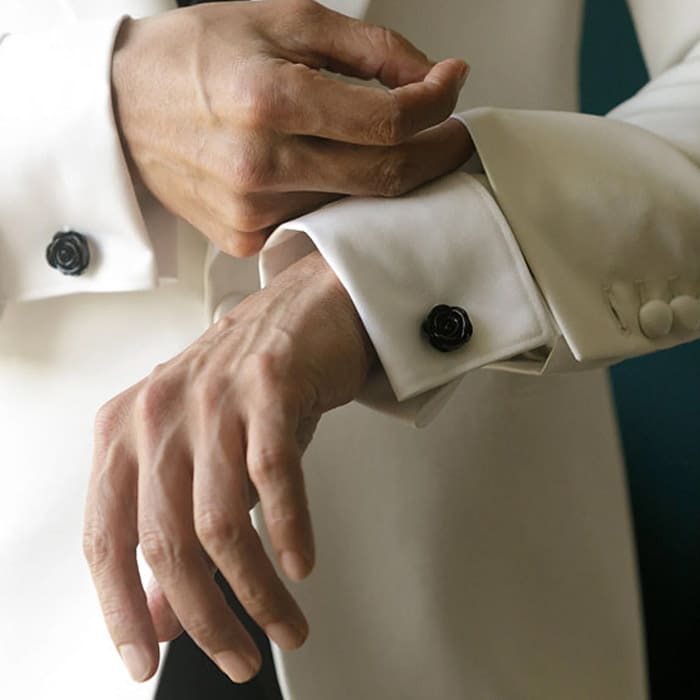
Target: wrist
<point>334,303</point>
<point>339,298</point>
<point>120,82</point>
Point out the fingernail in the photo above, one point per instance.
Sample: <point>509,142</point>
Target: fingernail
<point>285,635</point>
<point>137,661</point>
<point>295,565</point>
<point>237,667</point>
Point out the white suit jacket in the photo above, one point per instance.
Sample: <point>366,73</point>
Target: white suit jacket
<point>584,292</point>
<point>576,247</point>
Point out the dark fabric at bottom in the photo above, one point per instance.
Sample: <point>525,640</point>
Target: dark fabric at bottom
<point>189,674</point>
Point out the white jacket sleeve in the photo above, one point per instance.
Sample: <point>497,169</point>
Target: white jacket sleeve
<point>583,248</point>
<point>62,169</point>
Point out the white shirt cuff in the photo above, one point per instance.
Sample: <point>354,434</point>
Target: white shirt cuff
<point>63,168</point>
<point>446,243</point>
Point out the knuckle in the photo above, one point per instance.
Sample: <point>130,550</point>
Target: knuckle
<point>293,515</point>
<point>259,369</point>
<point>98,548</point>
<point>108,419</point>
<point>116,616</point>
<point>154,396</point>
<point>305,7</point>
<point>257,102</point>
<point>222,327</point>
<point>250,170</point>
<point>209,392</point>
<point>231,244</point>
<point>392,127</point>
<point>105,418</point>
<point>215,528</point>
<point>390,39</point>
<point>200,359</point>
<point>205,631</point>
<point>160,552</point>
<point>255,599</point>
<point>270,466</point>
<point>391,174</point>
<point>266,376</point>
<point>246,215</point>
<point>108,476</point>
<point>254,107</point>
<point>263,469</point>
<point>244,245</point>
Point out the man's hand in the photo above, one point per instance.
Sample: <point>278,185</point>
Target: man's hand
<point>179,456</point>
<point>228,120</point>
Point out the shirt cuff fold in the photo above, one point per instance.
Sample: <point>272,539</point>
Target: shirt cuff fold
<point>446,243</point>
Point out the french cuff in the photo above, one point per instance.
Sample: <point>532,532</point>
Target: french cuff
<point>446,243</point>
<point>63,172</point>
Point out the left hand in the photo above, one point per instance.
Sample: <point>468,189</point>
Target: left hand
<point>226,117</point>
<point>176,457</point>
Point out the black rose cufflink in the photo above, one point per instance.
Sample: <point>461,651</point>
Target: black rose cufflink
<point>68,253</point>
<point>447,328</point>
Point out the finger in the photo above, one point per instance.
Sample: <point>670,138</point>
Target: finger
<point>109,542</point>
<point>171,548</point>
<point>224,528</point>
<point>165,621</point>
<point>274,465</point>
<point>239,225</point>
<point>215,223</point>
<point>257,212</point>
<point>260,211</point>
<point>385,171</point>
<point>357,113</point>
<point>353,47</point>
<point>172,551</point>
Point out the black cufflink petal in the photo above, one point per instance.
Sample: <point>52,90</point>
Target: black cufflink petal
<point>447,328</point>
<point>68,253</point>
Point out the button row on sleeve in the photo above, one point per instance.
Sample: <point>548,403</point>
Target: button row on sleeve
<point>656,317</point>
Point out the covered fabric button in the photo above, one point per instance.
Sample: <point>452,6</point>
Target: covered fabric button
<point>686,310</point>
<point>68,253</point>
<point>447,328</point>
<point>655,319</point>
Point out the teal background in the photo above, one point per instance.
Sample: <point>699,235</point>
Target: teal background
<point>658,400</point>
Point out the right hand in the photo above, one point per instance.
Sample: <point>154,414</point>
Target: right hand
<point>182,456</point>
<point>227,119</point>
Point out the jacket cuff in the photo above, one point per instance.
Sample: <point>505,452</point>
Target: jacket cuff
<point>63,168</point>
<point>613,243</point>
<point>447,243</point>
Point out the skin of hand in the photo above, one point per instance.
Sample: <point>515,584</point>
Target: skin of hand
<point>228,118</point>
<point>182,456</point>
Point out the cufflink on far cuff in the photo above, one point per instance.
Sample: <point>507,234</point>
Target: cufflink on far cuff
<point>447,328</point>
<point>69,253</point>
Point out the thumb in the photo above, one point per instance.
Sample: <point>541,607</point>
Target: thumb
<point>352,47</point>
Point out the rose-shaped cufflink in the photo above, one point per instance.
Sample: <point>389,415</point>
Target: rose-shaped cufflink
<point>68,253</point>
<point>447,328</point>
